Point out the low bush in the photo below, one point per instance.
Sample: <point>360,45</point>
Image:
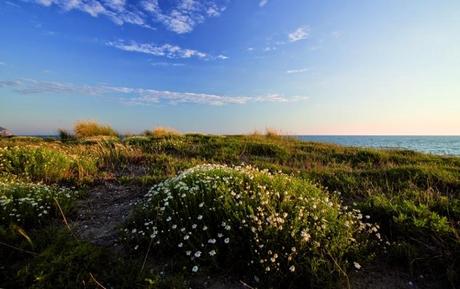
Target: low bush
<point>266,150</point>
<point>422,231</point>
<point>274,229</point>
<point>65,136</point>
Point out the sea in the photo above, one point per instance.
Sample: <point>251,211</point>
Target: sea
<point>438,145</point>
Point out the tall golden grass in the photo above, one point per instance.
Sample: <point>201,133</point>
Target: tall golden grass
<point>164,132</point>
<point>85,129</point>
<point>269,132</point>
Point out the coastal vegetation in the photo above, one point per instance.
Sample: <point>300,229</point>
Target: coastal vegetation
<point>85,129</point>
<point>260,210</point>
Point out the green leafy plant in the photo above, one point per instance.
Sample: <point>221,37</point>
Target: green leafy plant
<point>280,229</point>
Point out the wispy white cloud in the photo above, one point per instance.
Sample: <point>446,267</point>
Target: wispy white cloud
<point>138,96</point>
<point>300,70</point>
<point>164,50</point>
<point>299,34</point>
<point>180,16</point>
<point>270,48</point>
<point>166,64</point>
<point>12,4</point>
<point>336,34</point>
<point>262,3</point>
<point>2,63</point>
<point>183,17</point>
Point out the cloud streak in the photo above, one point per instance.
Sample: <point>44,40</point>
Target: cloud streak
<point>140,96</point>
<point>300,70</point>
<point>262,3</point>
<point>179,16</point>
<point>300,33</point>
<point>165,50</point>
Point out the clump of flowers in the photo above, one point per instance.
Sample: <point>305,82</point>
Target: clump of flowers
<point>273,228</point>
<point>29,204</point>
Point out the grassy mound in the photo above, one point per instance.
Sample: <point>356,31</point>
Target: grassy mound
<point>274,229</point>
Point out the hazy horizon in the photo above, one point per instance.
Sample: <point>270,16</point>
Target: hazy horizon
<point>232,67</point>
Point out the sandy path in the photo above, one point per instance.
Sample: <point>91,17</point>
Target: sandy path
<point>104,210</point>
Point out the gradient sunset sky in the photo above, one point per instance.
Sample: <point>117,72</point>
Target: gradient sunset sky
<point>222,66</point>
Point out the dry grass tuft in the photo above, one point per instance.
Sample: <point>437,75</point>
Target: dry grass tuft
<point>84,129</point>
<point>271,132</point>
<point>164,132</point>
<point>256,133</point>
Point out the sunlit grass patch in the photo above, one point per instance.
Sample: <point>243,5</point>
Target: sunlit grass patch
<point>114,155</point>
<point>84,129</point>
<point>47,164</point>
<point>274,229</point>
<point>163,132</point>
<point>269,133</point>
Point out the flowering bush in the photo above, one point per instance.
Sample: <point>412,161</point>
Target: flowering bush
<point>29,204</point>
<point>274,229</point>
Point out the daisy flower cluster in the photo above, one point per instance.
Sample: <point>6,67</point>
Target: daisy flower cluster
<point>28,204</point>
<point>274,226</point>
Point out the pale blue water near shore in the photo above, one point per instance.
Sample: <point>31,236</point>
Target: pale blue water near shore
<point>439,145</point>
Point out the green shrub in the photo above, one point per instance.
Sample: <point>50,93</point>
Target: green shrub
<point>266,150</point>
<point>65,136</point>
<point>420,235</point>
<point>172,145</point>
<point>47,164</point>
<point>137,140</point>
<point>167,166</point>
<point>275,229</point>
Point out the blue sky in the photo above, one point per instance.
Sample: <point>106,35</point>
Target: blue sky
<point>223,66</point>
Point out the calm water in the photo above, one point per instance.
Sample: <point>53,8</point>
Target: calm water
<point>439,145</point>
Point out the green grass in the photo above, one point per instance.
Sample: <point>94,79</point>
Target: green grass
<point>61,261</point>
<point>413,197</point>
<point>50,164</point>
